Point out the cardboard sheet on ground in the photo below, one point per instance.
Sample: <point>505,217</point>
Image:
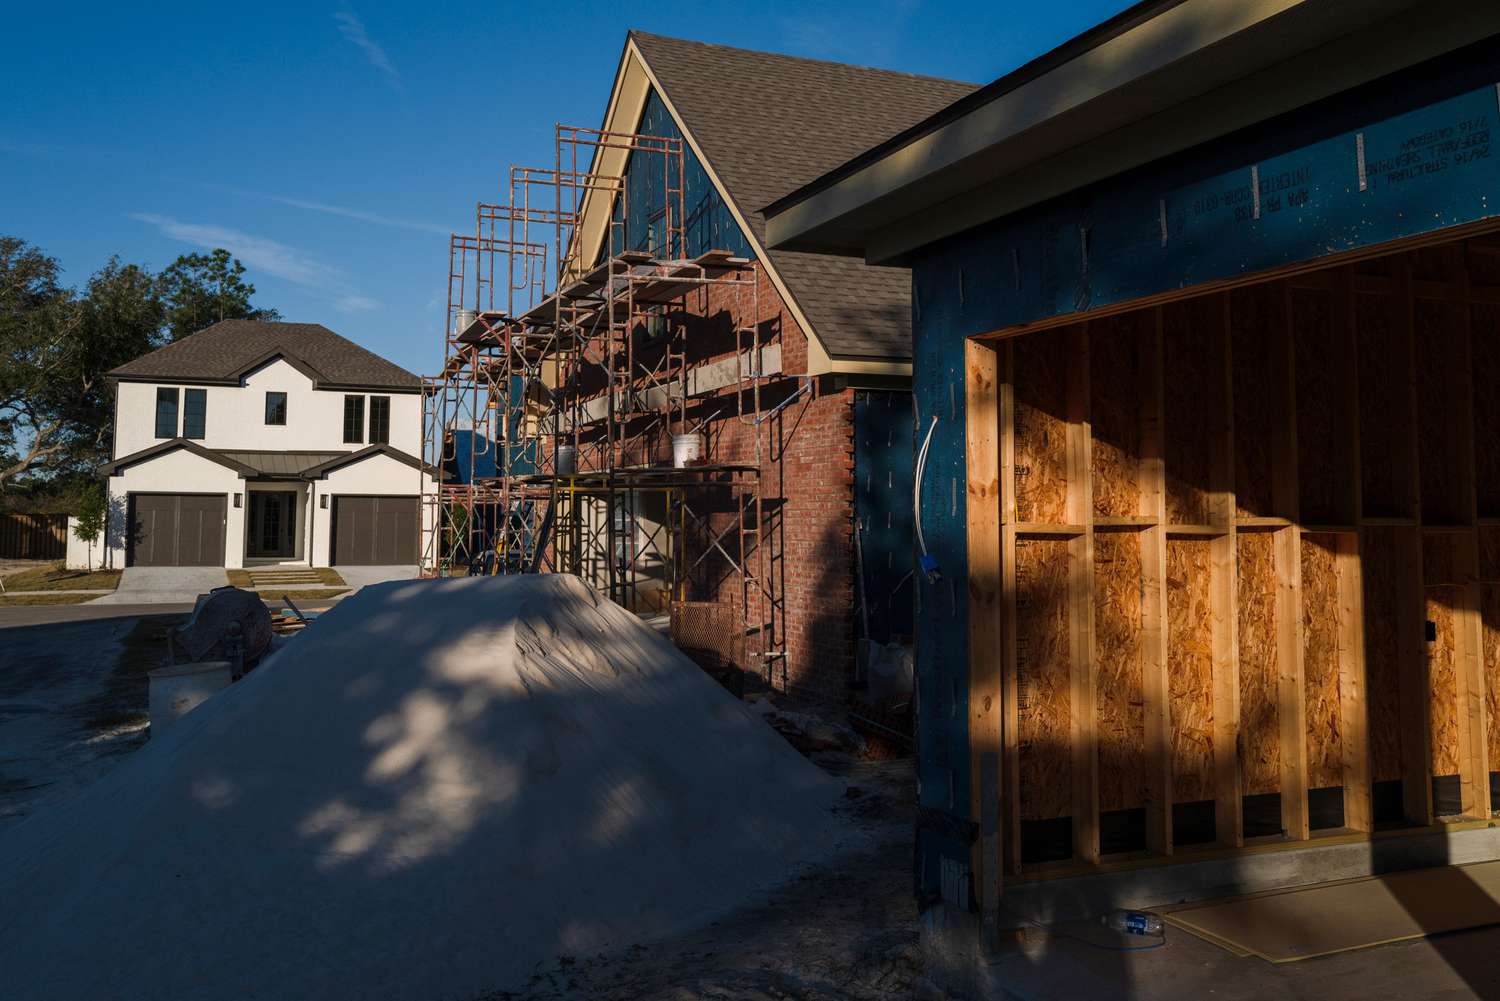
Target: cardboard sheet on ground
<point>1289,925</point>
<point>440,786</point>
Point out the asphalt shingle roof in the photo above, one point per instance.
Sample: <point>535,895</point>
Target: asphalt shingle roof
<point>768,124</point>
<point>225,350</point>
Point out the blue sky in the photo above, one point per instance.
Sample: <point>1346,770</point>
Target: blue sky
<point>333,146</point>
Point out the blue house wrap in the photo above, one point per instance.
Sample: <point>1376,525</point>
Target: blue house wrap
<point>1408,155</point>
<point>707,222</point>
<point>883,511</point>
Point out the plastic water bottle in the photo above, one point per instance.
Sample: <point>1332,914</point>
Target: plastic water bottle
<point>1133,922</point>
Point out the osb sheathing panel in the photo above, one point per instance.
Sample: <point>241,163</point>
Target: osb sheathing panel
<point>1490,608</point>
<point>1441,461</point>
<point>1320,661</point>
<point>1119,703</point>
<point>1257,323</point>
<point>1489,552</point>
<point>1323,433</point>
<point>1440,557</point>
<point>1042,679</point>
<point>1483,264</point>
<point>1485,322</point>
<point>1260,733</point>
<point>1378,559</point>
<point>1385,435</point>
<point>1442,674</point>
<point>1435,263</point>
<point>1114,412</point>
<point>1041,442</point>
<point>1190,668</point>
<point>1193,351</point>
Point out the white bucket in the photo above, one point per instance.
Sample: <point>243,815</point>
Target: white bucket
<point>567,460</point>
<point>465,317</point>
<point>181,688</point>
<point>687,450</point>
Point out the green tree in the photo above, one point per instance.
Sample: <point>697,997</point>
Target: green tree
<point>92,514</point>
<point>201,289</point>
<point>57,345</point>
<point>39,322</point>
<point>56,412</point>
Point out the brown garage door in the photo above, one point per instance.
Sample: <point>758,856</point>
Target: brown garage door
<point>175,530</point>
<point>374,531</point>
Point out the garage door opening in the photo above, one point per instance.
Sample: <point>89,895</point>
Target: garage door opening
<point>175,530</point>
<point>374,531</point>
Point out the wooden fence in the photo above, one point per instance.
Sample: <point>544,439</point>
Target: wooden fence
<point>33,536</point>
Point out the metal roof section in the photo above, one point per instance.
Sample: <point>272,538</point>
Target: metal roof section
<point>114,467</point>
<point>1163,77</point>
<point>280,465</point>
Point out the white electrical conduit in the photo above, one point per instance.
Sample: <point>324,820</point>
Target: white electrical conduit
<point>929,565</point>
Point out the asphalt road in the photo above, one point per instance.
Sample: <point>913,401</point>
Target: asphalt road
<point>44,615</point>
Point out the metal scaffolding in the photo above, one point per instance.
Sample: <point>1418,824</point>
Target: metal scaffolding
<point>599,410</point>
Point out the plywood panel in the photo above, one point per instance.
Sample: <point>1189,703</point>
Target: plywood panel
<point>1442,453</point>
<point>1382,593</point>
<point>1489,552</point>
<point>1320,661</point>
<point>1485,366</point>
<point>1489,595</point>
<point>1190,668</point>
<point>1260,669</point>
<point>1114,414</point>
<point>1442,674</point>
<point>1041,439</point>
<point>1044,706</point>
<point>1120,702</point>
<point>1258,332</point>
<point>1324,435</point>
<point>1385,437</point>
<point>1193,345</point>
<point>1444,556</point>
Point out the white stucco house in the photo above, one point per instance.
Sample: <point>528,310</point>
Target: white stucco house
<point>253,443</point>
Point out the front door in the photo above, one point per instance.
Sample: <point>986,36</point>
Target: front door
<point>272,528</point>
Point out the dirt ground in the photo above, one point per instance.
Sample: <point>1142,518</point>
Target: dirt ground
<point>73,700</point>
<point>842,931</point>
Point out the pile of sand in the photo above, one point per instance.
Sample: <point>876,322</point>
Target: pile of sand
<point>437,787</point>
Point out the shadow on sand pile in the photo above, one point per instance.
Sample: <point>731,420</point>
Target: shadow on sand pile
<point>442,785</point>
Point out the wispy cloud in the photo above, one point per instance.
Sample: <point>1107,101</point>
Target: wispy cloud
<point>343,211</point>
<point>265,255</point>
<point>353,30</point>
<point>361,215</point>
<point>356,304</point>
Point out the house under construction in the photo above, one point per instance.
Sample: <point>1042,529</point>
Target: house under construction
<point>634,390</point>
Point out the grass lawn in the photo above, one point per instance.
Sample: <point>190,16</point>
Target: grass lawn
<point>326,575</point>
<point>56,577</point>
<point>276,594</point>
<point>43,598</point>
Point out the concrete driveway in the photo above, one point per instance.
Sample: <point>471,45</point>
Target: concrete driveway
<point>157,585</point>
<point>357,577</point>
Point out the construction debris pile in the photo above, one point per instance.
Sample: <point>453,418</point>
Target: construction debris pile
<point>444,786</point>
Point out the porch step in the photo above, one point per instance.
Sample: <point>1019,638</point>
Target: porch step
<point>260,579</point>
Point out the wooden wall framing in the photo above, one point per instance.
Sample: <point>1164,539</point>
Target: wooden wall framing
<point>1235,567</point>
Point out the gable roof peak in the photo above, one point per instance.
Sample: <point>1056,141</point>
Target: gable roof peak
<point>791,120</point>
